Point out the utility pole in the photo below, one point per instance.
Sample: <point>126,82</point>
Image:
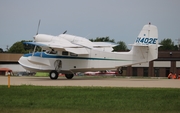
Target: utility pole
<point>7,47</point>
<point>178,41</point>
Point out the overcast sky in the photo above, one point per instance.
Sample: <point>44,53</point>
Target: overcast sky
<point>121,20</point>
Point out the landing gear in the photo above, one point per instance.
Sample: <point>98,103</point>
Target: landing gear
<point>69,76</point>
<point>53,74</point>
<point>119,70</point>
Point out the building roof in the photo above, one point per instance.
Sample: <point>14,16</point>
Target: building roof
<point>5,69</point>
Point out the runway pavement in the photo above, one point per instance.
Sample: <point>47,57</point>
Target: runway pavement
<point>92,81</point>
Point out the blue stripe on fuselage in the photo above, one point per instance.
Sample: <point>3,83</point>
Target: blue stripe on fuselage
<point>46,55</point>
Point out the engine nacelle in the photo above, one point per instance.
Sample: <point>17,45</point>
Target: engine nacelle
<point>43,38</point>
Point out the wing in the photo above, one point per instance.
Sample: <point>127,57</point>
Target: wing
<point>104,44</point>
<point>52,44</point>
<point>73,48</point>
<point>83,51</point>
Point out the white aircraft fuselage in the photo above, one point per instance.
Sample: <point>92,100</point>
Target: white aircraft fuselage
<point>69,54</point>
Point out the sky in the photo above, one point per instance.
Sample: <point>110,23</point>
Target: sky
<point>121,20</point>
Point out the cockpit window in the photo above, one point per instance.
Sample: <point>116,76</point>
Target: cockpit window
<point>51,52</point>
<point>73,54</point>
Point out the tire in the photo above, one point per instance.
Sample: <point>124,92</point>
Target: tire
<point>53,75</point>
<point>120,71</point>
<point>69,76</point>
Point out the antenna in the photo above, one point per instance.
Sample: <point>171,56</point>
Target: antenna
<point>64,32</point>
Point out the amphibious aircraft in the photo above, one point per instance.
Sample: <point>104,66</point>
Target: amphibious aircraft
<point>69,54</point>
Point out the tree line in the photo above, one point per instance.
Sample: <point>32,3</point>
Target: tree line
<point>19,47</point>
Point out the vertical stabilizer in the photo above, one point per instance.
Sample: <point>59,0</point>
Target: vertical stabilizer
<point>148,35</point>
<point>146,44</point>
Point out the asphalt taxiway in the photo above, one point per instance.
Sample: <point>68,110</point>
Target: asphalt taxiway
<point>92,81</point>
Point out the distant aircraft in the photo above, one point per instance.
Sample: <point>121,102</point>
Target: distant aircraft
<point>68,54</point>
<point>106,72</point>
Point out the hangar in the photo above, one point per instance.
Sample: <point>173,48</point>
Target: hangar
<point>5,71</point>
<point>10,60</point>
<point>168,61</point>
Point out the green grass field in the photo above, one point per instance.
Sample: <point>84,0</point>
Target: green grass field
<point>38,99</point>
<point>41,74</point>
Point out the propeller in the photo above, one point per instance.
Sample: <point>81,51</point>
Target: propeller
<point>38,27</point>
<point>37,30</point>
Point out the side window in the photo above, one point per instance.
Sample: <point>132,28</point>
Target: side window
<point>64,53</point>
<point>51,52</point>
<point>73,54</point>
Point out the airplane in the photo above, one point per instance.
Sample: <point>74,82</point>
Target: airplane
<point>106,72</point>
<point>69,54</point>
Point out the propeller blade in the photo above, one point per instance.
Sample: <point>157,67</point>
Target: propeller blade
<point>38,27</point>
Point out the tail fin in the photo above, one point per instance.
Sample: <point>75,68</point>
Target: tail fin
<point>146,44</point>
<point>148,35</point>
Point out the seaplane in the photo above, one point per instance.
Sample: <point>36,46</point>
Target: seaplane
<point>69,54</point>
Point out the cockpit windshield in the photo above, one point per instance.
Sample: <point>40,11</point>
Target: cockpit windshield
<point>51,51</point>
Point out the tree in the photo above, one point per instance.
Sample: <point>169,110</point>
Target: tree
<point>167,44</point>
<point>121,46</point>
<point>17,48</point>
<point>27,47</point>
<point>102,39</point>
<point>1,50</point>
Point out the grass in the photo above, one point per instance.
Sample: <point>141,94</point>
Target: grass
<point>50,99</point>
<point>42,74</point>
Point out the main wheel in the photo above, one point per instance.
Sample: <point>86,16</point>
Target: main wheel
<point>69,76</point>
<point>53,74</point>
<point>120,71</point>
